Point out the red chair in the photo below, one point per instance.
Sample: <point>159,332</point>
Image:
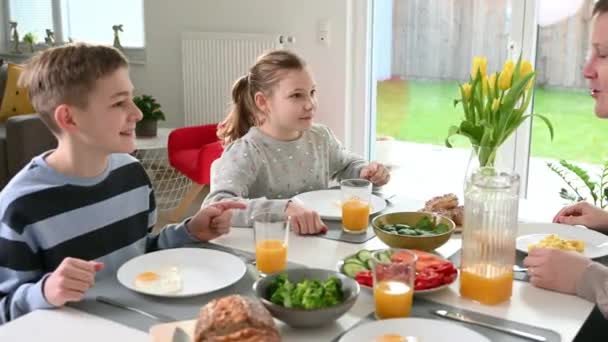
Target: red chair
<point>191,151</point>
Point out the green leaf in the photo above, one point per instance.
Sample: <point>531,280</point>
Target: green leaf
<point>474,132</point>
<point>546,121</point>
<point>453,130</point>
<point>583,176</point>
<point>148,106</point>
<point>562,173</point>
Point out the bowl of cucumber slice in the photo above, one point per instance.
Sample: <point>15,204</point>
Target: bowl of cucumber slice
<point>413,230</point>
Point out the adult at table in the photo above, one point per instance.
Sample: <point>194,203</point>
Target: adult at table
<point>571,272</point>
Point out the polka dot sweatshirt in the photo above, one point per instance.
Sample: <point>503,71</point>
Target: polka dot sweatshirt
<point>266,173</point>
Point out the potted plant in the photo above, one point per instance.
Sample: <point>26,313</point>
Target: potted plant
<point>150,109</point>
<point>30,40</point>
<point>581,186</point>
<point>494,107</point>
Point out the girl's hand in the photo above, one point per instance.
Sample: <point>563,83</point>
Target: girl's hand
<point>304,221</point>
<point>376,173</point>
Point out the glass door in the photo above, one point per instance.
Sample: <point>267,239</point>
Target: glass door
<point>421,51</point>
<point>561,94</point>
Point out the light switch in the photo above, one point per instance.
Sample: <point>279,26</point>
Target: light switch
<point>323,32</point>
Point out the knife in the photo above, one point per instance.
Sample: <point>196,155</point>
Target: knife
<point>462,318</point>
<point>179,335</point>
<point>156,316</point>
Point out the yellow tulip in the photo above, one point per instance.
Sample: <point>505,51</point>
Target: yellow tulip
<point>492,82</point>
<point>466,90</point>
<point>495,105</point>
<point>506,75</point>
<point>479,64</point>
<point>525,68</point>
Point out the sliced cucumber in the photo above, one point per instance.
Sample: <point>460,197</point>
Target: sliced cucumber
<point>351,269</point>
<point>384,256</point>
<point>354,260</point>
<point>368,263</point>
<point>364,255</point>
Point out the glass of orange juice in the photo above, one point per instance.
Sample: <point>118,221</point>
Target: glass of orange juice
<point>271,234</point>
<point>356,195</point>
<point>393,282</point>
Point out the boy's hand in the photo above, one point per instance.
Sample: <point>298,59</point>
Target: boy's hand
<point>376,173</point>
<point>70,281</point>
<point>213,221</point>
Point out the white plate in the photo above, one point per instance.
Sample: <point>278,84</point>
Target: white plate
<point>425,329</point>
<point>596,244</point>
<point>202,270</point>
<point>328,203</point>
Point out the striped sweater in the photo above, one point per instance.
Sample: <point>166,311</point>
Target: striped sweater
<point>47,216</point>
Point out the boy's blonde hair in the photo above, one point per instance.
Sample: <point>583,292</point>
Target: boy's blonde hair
<point>67,75</point>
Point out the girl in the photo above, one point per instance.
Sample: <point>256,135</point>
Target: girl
<point>273,149</point>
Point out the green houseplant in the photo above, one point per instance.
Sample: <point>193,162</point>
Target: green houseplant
<point>30,40</point>
<point>580,185</point>
<point>152,113</point>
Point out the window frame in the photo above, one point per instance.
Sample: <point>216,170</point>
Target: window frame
<point>134,55</point>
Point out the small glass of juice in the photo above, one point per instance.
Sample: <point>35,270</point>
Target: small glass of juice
<point>271,235</point>
<point>394,272</point>
<point>356,195</point>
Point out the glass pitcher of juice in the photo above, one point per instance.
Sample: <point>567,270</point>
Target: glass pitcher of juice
<point>488,241</point>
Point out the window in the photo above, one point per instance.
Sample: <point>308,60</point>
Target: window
<point>31,16</point>
<point>104,14</point>
<point>88,21</point>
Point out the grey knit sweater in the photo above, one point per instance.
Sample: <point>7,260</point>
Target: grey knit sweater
<point>266,172</point>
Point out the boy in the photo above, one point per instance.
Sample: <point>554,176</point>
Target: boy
<point>87,206</point>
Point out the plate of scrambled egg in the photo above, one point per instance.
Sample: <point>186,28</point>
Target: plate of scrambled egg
<point>563,237</point>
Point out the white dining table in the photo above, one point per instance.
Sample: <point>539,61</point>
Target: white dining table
<point>562,313</point>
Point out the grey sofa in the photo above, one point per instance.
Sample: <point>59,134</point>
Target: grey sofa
<point>21,138</point>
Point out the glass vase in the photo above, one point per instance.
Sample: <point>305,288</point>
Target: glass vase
<point>490,228</point>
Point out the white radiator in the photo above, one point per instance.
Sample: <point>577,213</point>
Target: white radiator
<point>211,62</point>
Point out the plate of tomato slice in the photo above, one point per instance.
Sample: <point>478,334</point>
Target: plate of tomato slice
<point>433,272</point>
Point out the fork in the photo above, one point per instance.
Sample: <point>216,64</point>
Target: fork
<point>517,268</point>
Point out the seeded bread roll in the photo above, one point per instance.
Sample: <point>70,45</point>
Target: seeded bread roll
<point>235,318</point>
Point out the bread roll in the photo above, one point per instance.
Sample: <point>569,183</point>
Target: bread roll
<point>235,318</point>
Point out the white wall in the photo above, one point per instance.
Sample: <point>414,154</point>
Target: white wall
<point>165,21</point>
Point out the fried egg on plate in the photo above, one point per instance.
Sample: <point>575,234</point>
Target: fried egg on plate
<point>165,281</point>
<point>395,338</point>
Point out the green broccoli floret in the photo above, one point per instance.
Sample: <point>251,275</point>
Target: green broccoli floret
<point>306,294</point>
<point>332,292</point>
<point>313,296</point>
<point>280,291</point>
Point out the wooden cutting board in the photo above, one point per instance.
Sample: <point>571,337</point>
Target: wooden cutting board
<point>164,332</point>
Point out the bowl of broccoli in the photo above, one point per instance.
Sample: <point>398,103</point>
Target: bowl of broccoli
<point>306,297</point>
